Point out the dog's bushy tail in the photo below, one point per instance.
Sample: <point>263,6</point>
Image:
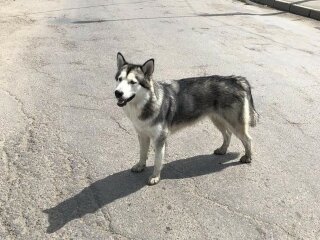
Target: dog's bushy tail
<point>245,85</point>
<point>254,116</point>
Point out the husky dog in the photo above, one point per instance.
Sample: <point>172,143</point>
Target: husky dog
<point>158,109</point>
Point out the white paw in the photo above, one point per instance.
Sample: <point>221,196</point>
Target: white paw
<point>138,167</point>
<point>245,159</point>
<point>153,180</point>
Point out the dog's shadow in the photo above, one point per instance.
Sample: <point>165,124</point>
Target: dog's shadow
<point>123,183</point>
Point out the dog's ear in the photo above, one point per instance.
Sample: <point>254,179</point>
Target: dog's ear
<point>120,60</point>
<point>148,67</point>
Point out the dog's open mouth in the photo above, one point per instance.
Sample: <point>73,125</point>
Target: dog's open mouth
<point>122,102</point>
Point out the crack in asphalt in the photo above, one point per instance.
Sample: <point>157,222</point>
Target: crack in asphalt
<point>119,125</point>
<point>11,174</point>
<point>293,124</point>
<point>286,46</point>
<point>23,141</point>
<point>14,175</point>
<point>111,228</point>
<point>20,104</point>
<point>94,97</point>
<point>45,73</point>
<point>106,215</point>
<point>65,148</point>
<point>76,8</point>
<point>5,156</point>
<point>27,141</point>
<point>232,210</point>
<point>82,108</point>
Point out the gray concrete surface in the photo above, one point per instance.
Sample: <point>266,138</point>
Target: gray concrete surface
<point>307,8</point>
<point>66,148</point>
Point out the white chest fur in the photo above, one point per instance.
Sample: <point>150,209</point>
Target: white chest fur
<point>145,127</point>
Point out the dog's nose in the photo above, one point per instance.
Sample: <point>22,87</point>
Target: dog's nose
<point>118,94</point>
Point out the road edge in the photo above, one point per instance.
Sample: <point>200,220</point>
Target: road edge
<point>292,8</point>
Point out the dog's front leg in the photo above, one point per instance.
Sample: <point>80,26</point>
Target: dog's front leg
<point>144,142</point>
<point>159,145</point>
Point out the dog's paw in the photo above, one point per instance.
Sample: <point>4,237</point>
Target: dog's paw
<point>153,180</point>
<point>245,159</point>
<point>220,151</point>
<point>138,167</point>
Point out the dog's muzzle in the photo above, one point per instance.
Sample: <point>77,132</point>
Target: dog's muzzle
<point>122,102</point>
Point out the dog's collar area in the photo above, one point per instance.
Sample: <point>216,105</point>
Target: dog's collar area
<point>122,102</point>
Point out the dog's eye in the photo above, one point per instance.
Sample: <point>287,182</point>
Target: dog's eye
<point>132,82</point>
<point>120,79</point>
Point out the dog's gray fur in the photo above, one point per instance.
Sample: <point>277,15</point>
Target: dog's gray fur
<point>157,109</point>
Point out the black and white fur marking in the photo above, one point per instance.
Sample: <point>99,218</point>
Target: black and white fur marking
<point>158,109</point>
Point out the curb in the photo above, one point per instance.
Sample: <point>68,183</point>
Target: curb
<point>291,7</point>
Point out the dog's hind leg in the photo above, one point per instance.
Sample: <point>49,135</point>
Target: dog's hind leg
<point>242,133</point>
<point>144,142</point>
<point>159,145</point>
<point>246,141</point>
<point>240,129</point>
<point>226,133</point>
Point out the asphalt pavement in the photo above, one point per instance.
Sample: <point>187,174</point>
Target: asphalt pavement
<point>67,148</point>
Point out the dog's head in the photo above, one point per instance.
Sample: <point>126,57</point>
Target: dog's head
<point>133,80</point>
